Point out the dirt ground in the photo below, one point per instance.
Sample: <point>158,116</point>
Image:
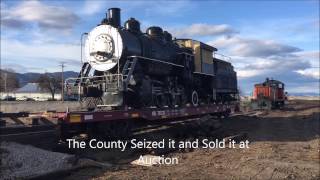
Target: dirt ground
<point>38,106</point>
<point>284,144</point>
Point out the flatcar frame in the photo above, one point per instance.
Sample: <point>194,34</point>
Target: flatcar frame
<point>75,122</point>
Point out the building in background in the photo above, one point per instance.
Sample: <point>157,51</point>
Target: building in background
<point>31,91</point>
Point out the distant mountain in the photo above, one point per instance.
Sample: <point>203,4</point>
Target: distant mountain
<point>25,78</point>
<point>304,94</point>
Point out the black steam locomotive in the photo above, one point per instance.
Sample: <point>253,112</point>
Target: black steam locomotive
<point>128,68</point>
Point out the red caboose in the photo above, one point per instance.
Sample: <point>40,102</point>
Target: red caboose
<point>272,91</point>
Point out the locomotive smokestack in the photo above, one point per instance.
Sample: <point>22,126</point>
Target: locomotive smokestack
<point>114,16</point>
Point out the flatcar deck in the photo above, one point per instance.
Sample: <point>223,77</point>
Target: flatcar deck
<point>119,123</point>
<point>147,114</point>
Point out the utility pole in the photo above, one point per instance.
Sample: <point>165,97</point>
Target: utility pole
<point>81,59</point>
<point>5,84</point>
<point>62,81</point>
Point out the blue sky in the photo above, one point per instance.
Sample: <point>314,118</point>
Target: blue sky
<point>278,39</point>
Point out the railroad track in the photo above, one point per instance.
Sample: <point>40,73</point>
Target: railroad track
<point>43,136</point>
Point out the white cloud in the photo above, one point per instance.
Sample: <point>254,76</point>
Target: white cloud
<point>45,16</point>
<point>253,67</point>
<point>256,59</point>
<point>93,7</point>
<point>53,50</point>
<point>310,72</point>
<point>201,29</point>
<point>247,73</point>
<point>311,88</point>
<point>260,64</point>
<point>253,47</point>
<point>312,56</point>
<point>38,55</point>
<point>309,54</point>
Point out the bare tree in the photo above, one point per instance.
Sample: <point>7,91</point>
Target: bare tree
<point>9,80</point>
<point>50,83</point>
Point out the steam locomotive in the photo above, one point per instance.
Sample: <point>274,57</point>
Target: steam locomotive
<point>125,67</point>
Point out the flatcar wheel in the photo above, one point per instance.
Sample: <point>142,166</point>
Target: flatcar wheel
<point>194,98</point>
<point>179,101</point>
<point>120,130</point>
<point>172,100</point>
<point>226,114</point>
<point>161,101</point>
<point>158,100</point>
<point>184,99</point>
<point>115,130</point>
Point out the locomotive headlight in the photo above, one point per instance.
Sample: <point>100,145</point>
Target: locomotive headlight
<point>103,48</point>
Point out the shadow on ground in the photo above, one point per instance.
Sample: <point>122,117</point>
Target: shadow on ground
<point>297,128</point>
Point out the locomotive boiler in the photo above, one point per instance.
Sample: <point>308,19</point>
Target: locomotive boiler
<point>125,67</point>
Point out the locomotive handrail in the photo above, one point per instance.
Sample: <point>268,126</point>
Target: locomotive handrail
<point>203,73</point>
<point>82,79</point>
<point>157,60</point>
<point>109,80</point>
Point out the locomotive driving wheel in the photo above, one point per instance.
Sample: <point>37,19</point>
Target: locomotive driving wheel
<point>194,98</point>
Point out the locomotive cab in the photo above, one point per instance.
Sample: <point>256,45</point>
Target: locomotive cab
<point>203,54</point>
<point>212,73</point>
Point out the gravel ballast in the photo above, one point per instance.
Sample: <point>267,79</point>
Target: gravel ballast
<point>24,161</point>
